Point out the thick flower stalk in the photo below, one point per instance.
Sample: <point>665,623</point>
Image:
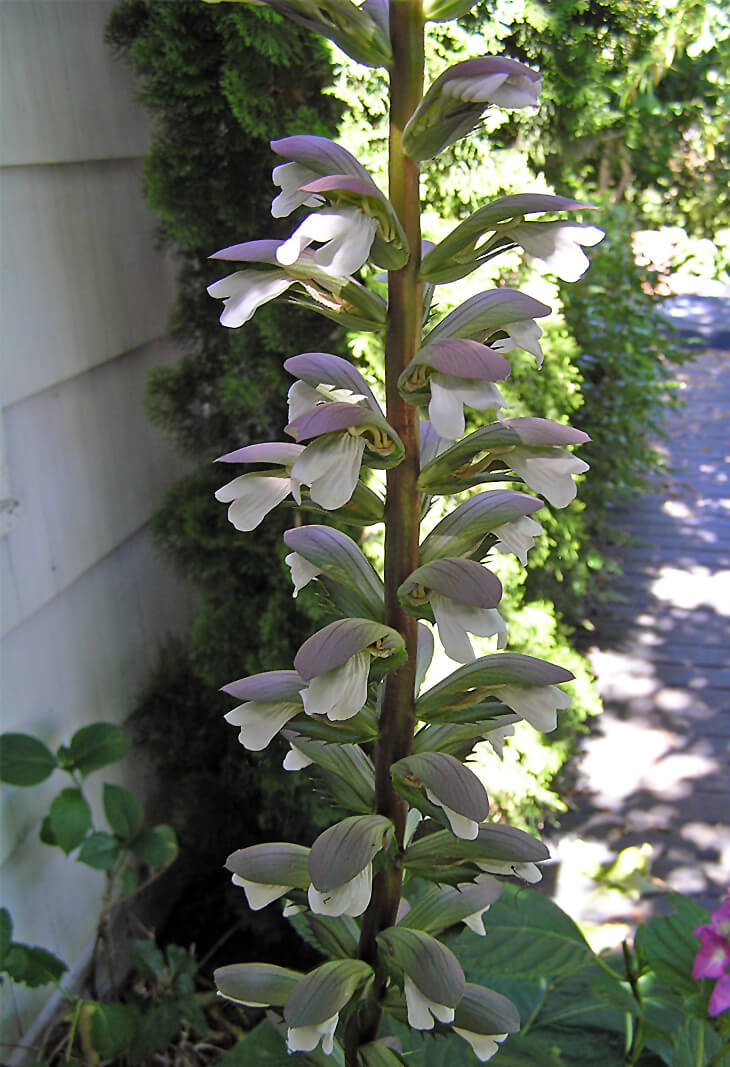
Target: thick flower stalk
<point>354,707</point>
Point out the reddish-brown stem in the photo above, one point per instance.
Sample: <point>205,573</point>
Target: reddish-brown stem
<point>402,508</point>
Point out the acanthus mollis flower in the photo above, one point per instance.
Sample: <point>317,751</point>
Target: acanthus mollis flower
<point>448,785</point>
<point>501,318</point>
<point>449,374</point>
<point>530,447</point>
<point>433,981</point>
<point>267,872</point>
<point>484,1019</point>
<point>271,700</point>
<point>342,436</point>
<point>556,244</point>
<point>313,1007</point>
<point>341,864</point>
<point>332,295</point>
<point>463,596</point>
<point>456,101</point>
<point>499,512</point>
<point>335,662</point>
<point>253,496</point>
<point>361,220</point>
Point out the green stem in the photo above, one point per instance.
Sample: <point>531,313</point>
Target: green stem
<point>73,1027</point>
<point>402,507</point>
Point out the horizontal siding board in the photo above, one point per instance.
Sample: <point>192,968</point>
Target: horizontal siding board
<point>84,657</point>
<point>65,97</point>
<point>83,279</point>
<point>88,470</point>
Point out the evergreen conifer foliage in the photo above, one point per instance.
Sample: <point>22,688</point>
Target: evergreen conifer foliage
<point>220,83</point>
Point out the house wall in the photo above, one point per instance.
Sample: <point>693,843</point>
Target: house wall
<point>86,294</point>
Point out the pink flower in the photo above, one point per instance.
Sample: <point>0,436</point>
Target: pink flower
<point>720,999</point>
<point>713,956</point>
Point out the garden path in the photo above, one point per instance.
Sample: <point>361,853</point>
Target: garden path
<point>656,767</point>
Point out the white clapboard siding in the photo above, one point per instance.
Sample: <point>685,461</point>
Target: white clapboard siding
<point>87,482</point>
<point>86,295</point>
<point>63,98</point>
<point>83,279</point>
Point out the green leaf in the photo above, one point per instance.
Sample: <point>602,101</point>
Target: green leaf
<point>99,850</point>
<point>182,968</point>
<point>96,746</point>
<point>112,1028</point>
<point>669,947</point>
<point>336,937</point>
<point>156,846</point>
<point>155,1030</point>
<point>24,760</point>
<point>264,1046</point>
<point>348,771</point>
<point>6,932</point>
<point>528,936</point>
<point>31,965</point>
<point>697,1043</point>
<point>130,880</point>
<point>148,959</point>
<point>70,819</point>
<point>46,833</point>
<point>123,811</point>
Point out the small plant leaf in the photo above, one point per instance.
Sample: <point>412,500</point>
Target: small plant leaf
<point>156,846</point>
<point>123,811</point>
<point>70,819</point>
<point>112,1028</point>
<point>96,746</point>
<point>31,965</point>
<point>99,850</point>
<point>24,760</point>
<point>148,959</point>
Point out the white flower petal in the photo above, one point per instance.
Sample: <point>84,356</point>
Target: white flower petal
<point>330,466</point>
<point>517,537</point>
<point>258,894</point>
<point>475,90</point>
<point>421,1010</point>
<point>558,245</point>
<point>245,291</point>
<point>549,472</point>
<point>413,818</point>
<point>455,620</point>
<point>525,333</point>
<point>260,721</point>
<point>537,704</point>
<point>496,738</point>
<point>475,921</point>
<point>445,409</point>
<point>253,496</point>
<point>339,693</point>
<point>483,1045</point>
<point>529,872</point>
<point>295,760</point>
<point>302,398</point>
<point>467,829</point>
<point>345,235</point>
<point>352,898</point>
<point>290,909</point>
<point>306,1038</point>
<point>290,177</point>
<point>302,571</point>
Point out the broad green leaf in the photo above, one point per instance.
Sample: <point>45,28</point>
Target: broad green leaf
<point>345,849</point>
<point>70,819</point>
<point>123,810</point>
<point>325,991</point>
<point>46,833</point>
<point>697,1043</point>
<point>377,1054</point>
<point>265,1046</point>
<point>112,1028</point>
<point>528,936</point>
<point>667,943</point>
<point>256,983</point>
<point>31,965</point>
<point>24,760</point>
<point>156,846</point>
<point>99,850</point>
<point>430,964</point>
<point>96,746</point>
